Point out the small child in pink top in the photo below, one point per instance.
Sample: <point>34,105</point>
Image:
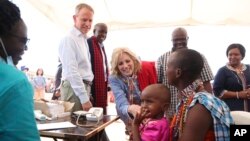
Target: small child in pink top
<point>150,124</point>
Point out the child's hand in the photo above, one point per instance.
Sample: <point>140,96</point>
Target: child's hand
<point>139,117</point>
<point>145,112</point>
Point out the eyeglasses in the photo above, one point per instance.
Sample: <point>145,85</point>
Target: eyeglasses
<point>24,40</point>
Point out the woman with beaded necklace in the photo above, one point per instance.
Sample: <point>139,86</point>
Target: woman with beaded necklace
<point>232,81</point>
<point>200,115</point>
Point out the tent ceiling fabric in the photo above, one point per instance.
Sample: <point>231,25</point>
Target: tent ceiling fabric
<point>126,14</point>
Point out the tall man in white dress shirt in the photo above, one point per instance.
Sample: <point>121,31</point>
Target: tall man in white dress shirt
<point>74,54</point>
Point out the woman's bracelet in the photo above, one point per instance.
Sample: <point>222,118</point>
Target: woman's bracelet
<point>237,94</point>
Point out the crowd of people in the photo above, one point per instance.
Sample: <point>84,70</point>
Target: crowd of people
<point>171,98</point>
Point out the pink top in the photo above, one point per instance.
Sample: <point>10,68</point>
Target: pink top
<point>155,130</point>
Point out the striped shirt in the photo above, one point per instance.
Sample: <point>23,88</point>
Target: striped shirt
<point>161,65</point>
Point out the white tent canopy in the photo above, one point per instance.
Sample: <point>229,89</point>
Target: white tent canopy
<point>144,26</point>
<point>123,14</point>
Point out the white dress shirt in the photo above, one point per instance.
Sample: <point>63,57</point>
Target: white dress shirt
<point>76,65</point>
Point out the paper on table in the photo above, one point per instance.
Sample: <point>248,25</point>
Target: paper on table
<point>58,125</point>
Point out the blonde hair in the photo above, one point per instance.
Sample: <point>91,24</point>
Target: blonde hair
<point>83,5</point>
<point>117,53</point>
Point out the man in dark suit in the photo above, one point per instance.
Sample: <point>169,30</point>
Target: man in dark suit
<point>99,66</point>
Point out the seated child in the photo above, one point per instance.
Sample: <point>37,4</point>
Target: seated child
<point>150,124</point>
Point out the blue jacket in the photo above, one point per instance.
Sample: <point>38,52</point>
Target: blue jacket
<point>120,91</point>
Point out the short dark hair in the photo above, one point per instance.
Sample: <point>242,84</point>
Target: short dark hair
<point>9,16</point>
<point>98,25</point>
<point>190,62</point>
<point>239,46</point>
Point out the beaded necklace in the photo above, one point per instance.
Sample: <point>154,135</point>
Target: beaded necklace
<point>239,74</point>
<point>177,124</point>
<point>237,70</point>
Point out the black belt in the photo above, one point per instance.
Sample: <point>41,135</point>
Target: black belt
<point>87,82</point>
<point>84,81</point>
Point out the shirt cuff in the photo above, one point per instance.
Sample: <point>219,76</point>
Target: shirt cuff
<point>83,98</point>
<point>129,115</point>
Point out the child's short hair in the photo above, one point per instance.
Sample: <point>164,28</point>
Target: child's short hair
<point>161,90</point>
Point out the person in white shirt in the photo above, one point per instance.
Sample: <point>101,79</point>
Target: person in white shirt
<point>74,54</point>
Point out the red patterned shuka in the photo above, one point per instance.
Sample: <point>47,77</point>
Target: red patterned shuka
<point>99,85</point>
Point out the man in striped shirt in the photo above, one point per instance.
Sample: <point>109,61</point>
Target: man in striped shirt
<point>180,39</point>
